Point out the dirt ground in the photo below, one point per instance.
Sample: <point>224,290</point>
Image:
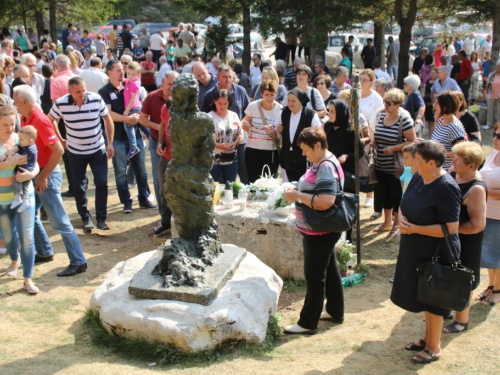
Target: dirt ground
<point>43,334</point>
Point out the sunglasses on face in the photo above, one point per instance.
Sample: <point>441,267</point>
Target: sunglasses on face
<point>388,104</point>
<point>125,63</point>
<point>496,135</point>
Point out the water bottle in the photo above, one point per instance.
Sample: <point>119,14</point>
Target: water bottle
<point>228,195</point>
<point>353,279</point>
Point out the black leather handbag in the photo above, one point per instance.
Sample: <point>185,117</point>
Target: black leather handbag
<point>444,284</point>
<point>338,218</point>
<point>350,183</point>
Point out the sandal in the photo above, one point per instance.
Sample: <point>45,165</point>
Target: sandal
<point>452,328</point>
<point>375,216</point>
<point>488,301</point>
<point>420,359</point>
<point>381,228</point>
<point>416,348</point>
<point>482,297</point>
<point>392,235</point>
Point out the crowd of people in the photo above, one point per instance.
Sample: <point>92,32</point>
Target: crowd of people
<point>290,119</point>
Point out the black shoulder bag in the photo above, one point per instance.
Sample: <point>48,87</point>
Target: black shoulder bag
<point>338,218</point>
<point>443,284</point>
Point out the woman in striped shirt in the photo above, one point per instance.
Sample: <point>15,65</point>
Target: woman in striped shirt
<point>449,130</point>
<point>13,223</point>
<point>386,136</point>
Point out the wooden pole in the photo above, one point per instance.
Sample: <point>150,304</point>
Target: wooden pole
<point>355,121</point>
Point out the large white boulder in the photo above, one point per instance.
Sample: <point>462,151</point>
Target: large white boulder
<point>240,312</point>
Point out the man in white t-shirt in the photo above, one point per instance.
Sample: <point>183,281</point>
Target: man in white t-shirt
<point>255,73</point>
<point>379,73</point>
<point>469,45</point>
<point>156,43</point>
<point>487,44</point>
<point>164,67</point>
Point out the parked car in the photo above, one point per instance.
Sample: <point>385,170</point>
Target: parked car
<point>429,42</point>
<point>121,22</point>
<point>256,43</point>
<point>336,41</point>
<point>104,30</point>
<point>151,28</point>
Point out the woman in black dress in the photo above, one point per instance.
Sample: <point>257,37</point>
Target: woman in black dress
<point>468,157</point>
<point>432,198</point>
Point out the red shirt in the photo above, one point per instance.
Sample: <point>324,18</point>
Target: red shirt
<point>148,78</point>
<point>165,116</point>
<point>151,106</point>
<point>465,69</point>
<point>46,135</point>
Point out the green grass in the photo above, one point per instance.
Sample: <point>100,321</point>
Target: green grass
<point>46,311</point>
<point>294,286</point>
<point>164,355</point>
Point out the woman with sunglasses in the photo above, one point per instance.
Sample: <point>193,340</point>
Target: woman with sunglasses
<point>449,130</point>
<point>386,139</point>
<point>322,83</point>
<point>490,252</point>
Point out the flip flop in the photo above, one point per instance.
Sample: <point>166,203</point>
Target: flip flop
<point>381,228</point>
<point>375,216</point>
<point>392,235</point>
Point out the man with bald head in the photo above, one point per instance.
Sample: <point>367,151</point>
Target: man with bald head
<point>206,81</point>
<point>35,80</point>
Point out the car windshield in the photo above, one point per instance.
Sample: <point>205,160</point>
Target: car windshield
<point>138,28</point>
<point>428,42</point>
<point>337,41</point>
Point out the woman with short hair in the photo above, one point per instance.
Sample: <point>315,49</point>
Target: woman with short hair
<point>269,74</point>
<point>387,135</point>
<point>469,156</point>
<point>468,119</point>
<point>228,135</point>
<point>414,103</point>
<point>431,199</point>
<point>321,183</point>
<point>322,84</point>
<point>449,131</point>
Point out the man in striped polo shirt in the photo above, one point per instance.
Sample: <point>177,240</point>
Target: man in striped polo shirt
<point>84,143</point>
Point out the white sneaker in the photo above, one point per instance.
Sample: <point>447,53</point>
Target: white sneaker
<point>486,127</point>
<point>295,329</point>
<point>368,202</point>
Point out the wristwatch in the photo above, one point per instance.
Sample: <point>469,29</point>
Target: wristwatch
<point>300,198</point>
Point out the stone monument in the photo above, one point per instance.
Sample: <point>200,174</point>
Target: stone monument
<point>193,292</point>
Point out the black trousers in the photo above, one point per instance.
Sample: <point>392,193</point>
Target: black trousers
<point>390,190</point>
<point>323,279</point>
<point>256,159</point>
<point>291,55</point>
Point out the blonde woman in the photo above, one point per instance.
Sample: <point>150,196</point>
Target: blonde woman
<point>269,74</point>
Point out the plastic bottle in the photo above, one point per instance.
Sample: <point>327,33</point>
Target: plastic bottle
<point>228,195</point>
<point>353,279</point>
<point>242,197</point>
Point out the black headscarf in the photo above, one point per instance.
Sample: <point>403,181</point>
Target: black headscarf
<point>342,113</point>
<point>300,94</point>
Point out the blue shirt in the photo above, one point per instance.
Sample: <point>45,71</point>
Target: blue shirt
<point>64,41</point>
<point>138,52</point>
<point>204,89</point>
<point>458,45</point>
<point>85,40</point>
<point>406,178</point>
<point>348,64</point>
<point>486,68</point>
<point>449,84</point>
<point>290,79</point>
<point>240,100</point>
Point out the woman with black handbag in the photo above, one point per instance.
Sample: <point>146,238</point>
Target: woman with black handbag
<point>432,198</point>
<point>318,189</point>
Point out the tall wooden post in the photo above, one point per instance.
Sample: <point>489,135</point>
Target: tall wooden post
<point>355,121</point>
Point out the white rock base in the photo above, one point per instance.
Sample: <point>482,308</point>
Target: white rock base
<point>240,312</point>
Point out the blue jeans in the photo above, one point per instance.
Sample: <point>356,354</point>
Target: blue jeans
<point>391,70</point>
<point>223,173</point>
<point>155,163</point>
<point>52,201</point>
<point>242,170</point>
<point>131,129</point>
<point>16,224</point>
<point>98,162</point>
<point>138,164</point>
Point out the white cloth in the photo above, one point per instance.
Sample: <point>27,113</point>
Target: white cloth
<point>451,50</point>
<point>212,70</point>
<point>469,45</point>
<point>163,69</point>
<point>257,136</point>
<point>156,42</point>
<point>369,105</point>
<point>255,75</point>
<point>490,174</point>
<point>94,79</point>
<point>487,46</point>
<point>38,83</point>
<point>39,65</point>
<point>379,73</point>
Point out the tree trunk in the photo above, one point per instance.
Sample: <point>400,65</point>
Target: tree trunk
<point>247,28</point>
<point>406,23</point>
<point>495,49</point>
<point>40,25</point>
<point>53,21</point>
<point>379,41</point>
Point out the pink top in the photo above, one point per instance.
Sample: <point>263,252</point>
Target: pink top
<point>132,87</point>
<point>59,85</point>
<point>496,86</point>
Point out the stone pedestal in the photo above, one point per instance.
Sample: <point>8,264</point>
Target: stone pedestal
<point>240,312</point>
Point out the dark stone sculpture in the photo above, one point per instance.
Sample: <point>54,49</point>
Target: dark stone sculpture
<point>189,189</point>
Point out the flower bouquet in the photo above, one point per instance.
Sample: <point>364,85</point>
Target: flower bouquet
<point>277,200</point>
<point>264,186</point>
<point>343,249</point>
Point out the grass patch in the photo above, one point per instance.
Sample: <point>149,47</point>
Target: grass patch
<point>166,355</point>
<point>294,286</point>
<point>47,311</point>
